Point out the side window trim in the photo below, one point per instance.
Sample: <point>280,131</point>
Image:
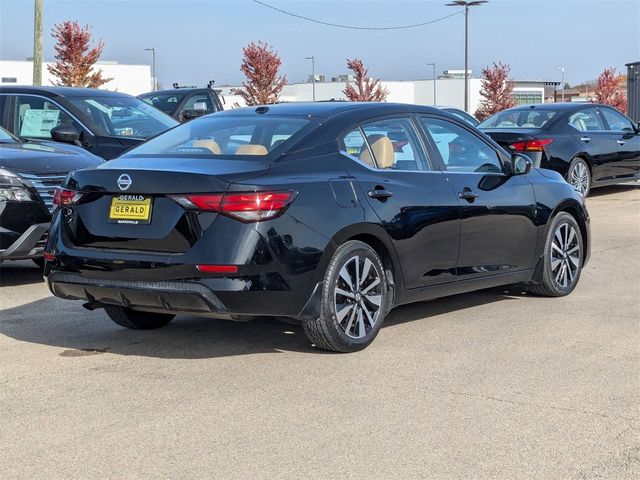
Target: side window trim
<point>443,167</point>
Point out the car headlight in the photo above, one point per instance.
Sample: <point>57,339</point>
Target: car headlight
<point>12,189</point>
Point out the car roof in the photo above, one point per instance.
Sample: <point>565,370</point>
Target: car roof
<point>328,109</point>
<point>61,91</point>
<point>174,90</point>
<point>566,106</point>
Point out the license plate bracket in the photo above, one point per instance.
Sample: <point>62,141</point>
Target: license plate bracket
<point>130,209</point>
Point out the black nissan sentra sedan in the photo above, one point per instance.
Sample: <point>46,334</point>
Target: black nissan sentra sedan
<point>591,145</point>
<point>330,213</point>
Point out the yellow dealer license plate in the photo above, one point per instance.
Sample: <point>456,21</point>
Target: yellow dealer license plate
<point>132,209</point>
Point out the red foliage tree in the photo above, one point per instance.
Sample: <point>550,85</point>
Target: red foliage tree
<point>608,90</point>
<point>366,89</point>
<point>497,91</point>
<point>75,60</point>
<point>260,64</point>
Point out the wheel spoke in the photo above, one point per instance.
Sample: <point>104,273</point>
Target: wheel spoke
<point>572,235</point>
<point>559,240</point>
<point>356,285</point>
<point>365,271</point>
<point>361,328</point>
<point>347,329</point>
<point>344,274</point>
<point>555,247</point>
<point>570,273</point>
<point>370,286</point>
<point>375,299</point>
<point>570,251</point>
<point>575,260</point>
<point>555,263</point>
<point>344,293</point>
<point>368,315</point>
<point>343,313</point>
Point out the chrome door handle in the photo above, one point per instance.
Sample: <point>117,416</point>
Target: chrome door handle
<point>619,142</point>
<point>585,139</point>
<point>380,193</point>
<point>467,194</point>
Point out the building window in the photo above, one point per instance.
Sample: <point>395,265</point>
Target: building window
<point>9,80</point>
<point>527,98</point>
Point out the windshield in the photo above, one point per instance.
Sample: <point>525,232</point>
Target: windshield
<point>524,118</point>
<point>167,101</point>
<point>123,116</point>
<point>223,135</point>
<point>6,137</point>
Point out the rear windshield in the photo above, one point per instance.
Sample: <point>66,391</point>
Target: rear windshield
<point>167,102</point>
<point>528,118</point>
<point>223,135</point>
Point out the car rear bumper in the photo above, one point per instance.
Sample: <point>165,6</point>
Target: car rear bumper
<point>29,244</point>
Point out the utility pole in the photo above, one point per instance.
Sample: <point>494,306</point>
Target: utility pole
<point>434,82</point>
<point>153,66</point>
<point>313,74</point>
<point>466,4</point>
<point>562,70</point>
<point>37,42</point>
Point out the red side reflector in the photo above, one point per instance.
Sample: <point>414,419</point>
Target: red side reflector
<point>531,145</point>
<point>49,257</point>
<point>217,268</point>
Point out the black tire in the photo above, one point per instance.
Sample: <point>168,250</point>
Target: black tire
<point>135,320</point>
<point>327,332</point>
<point>550,286</point>
<point>579,176</point>
<point>38,261</point>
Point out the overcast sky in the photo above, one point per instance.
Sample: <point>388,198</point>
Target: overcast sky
<point>200,40</point>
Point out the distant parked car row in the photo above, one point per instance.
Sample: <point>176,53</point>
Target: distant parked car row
<point>590,145</point>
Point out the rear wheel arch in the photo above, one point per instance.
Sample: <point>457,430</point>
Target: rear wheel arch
<point>573,209</point>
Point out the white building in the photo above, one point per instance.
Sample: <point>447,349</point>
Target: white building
<point>131,79</point>
<point>449,92</point>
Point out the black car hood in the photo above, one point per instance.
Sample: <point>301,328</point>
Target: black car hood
<point>45,157</point>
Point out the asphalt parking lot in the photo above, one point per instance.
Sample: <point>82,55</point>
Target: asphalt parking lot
<point>495,384</point>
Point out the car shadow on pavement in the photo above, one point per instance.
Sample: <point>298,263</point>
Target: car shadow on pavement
<point>59,323</point>
<point>613,189</point>
<point>13,274</point>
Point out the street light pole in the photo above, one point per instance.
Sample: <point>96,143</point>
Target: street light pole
<point>434,82</point>
<point>313,74</point>
<point>562,70</point>
<point>153,66</point>
<point>466,4</point>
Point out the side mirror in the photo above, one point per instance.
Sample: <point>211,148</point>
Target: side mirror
<point>65,134</point>
<point>520,164</point>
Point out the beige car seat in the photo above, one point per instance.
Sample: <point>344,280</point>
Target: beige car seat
<point>209,144</point>
<point>251,149</point>
<point>382,149</point>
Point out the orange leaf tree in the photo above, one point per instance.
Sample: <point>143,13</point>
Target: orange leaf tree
<point>608,90</point>
<point>260,65</point>
<point>496,91</point>
<point>365,89</point>
<point>75,60</point>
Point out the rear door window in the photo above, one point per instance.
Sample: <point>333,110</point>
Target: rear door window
<point>617,122</point>
<point>586,120</point>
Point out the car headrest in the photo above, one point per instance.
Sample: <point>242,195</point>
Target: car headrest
<point>251,149</point>
<point>382,149</point>
<point>209,144</point>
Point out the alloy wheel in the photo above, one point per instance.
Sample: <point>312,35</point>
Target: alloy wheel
<point>580,177</point>
<point>565,255</point>
<point>358,296</point>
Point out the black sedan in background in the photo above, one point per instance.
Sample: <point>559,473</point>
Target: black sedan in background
<point>30,172</point>
<point>330,213</point>
<point>590,145</point>
<point>103,122</point>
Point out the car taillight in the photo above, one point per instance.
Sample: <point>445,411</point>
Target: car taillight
<point>531,145</point>
<point>64,196</point>
<point>246,207</point>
